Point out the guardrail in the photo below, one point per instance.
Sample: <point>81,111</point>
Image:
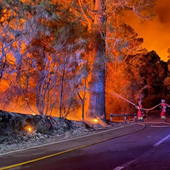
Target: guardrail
<point>123,115</point>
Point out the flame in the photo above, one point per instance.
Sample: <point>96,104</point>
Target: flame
<point>95,120</point>
<point>29,129</point>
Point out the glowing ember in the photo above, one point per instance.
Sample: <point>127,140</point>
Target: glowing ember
<point>29,129</point>
<point>95,120</point>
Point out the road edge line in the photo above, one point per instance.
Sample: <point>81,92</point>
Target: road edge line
<point>52,143</point>
<point>70,150</point>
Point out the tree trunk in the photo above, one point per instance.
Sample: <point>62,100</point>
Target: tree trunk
<point>61,93</point>
<point>97,83</point>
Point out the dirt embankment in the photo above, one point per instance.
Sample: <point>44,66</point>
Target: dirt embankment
<point>18,131</point>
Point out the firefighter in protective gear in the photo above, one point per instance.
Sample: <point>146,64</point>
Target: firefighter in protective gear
<point>139,113</point>
<point>164,106</point>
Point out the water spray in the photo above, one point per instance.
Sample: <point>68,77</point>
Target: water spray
<point>121,97</point>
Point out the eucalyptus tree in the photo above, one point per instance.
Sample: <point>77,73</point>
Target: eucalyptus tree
<point>102,17</point>
<point>152,70</point>
<point>52,52</point>
<point>24,24</point>
<point>90,20</point>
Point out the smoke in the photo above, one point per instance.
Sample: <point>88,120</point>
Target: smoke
<point>156,33</point>
<point>162,9</point>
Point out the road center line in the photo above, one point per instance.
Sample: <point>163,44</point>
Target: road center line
<point>124,165</point>
<point>128,163</point>
<point>162,140</point>
<point>118,168</point>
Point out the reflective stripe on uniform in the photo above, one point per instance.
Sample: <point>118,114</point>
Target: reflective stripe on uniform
<point>163,117</point>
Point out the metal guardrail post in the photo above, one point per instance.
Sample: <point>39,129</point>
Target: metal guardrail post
<point>111,118</point>
<point>135,117</point>
<point>125,119</point>
<point>122,115</point>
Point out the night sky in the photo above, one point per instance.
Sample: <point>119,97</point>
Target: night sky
<point>156,33</point>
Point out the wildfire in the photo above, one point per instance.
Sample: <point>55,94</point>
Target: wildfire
<point>95,120</point>
<point>29,129</point>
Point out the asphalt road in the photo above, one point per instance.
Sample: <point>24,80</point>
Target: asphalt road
<point>148,149</point>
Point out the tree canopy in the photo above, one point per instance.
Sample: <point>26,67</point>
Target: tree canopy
<point>59,57</point>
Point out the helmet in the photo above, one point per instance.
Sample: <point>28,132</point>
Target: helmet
<point>162,101</point>
<point>140,101</point>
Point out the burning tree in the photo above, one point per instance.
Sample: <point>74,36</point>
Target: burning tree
<point>44,52</point>
<point>50,60</point>
<point>102,17</point>
<point>121,76</point>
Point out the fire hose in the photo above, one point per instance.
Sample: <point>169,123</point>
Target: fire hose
<point>84,146</point>
<point>167,124</point>
<point>121,97</point>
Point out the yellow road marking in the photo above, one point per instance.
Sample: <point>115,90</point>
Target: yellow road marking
<point>38,159</point>
<point>69,150</point>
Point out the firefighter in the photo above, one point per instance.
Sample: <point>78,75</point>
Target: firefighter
<point>163,107</point>
<point>139,113</point>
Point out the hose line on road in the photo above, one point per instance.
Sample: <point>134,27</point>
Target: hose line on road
<point>70,150</point>
<point>160,126</point>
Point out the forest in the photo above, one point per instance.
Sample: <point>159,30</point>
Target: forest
<point>63,58</point>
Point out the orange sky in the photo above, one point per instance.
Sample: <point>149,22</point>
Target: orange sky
<point>156,33</point>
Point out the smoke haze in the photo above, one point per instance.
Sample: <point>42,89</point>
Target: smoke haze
<point>156,33</point>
